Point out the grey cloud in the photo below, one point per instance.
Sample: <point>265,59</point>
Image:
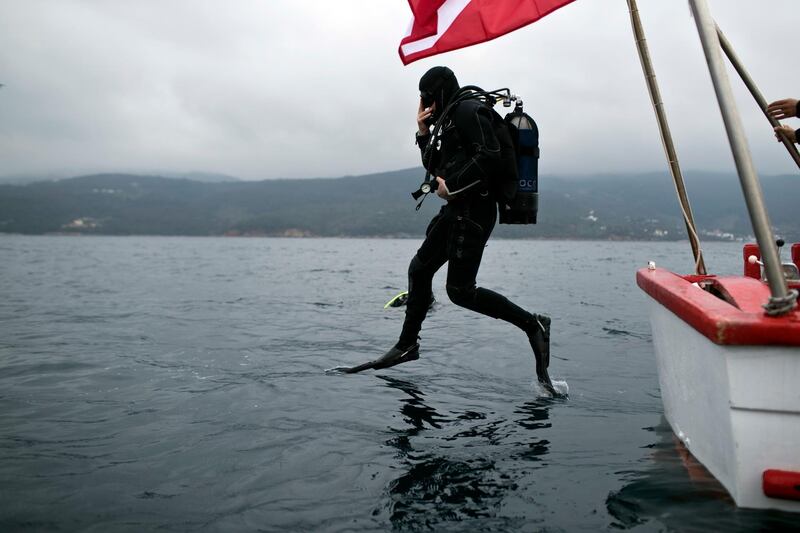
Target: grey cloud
<point>266,89</point>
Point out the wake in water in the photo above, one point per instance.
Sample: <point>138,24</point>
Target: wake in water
<point>337,370</point>
<point>561,387</point>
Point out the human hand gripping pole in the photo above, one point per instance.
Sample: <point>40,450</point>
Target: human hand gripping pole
<point>785,108</point>
<point>783,129</point>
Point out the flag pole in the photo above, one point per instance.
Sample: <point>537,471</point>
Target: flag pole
<point>781,300</point>
<point>751,86</point>
<point>666,135</point>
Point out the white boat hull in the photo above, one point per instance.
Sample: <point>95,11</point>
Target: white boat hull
<point>736,408</point>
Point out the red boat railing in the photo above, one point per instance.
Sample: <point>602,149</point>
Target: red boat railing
<point>726,310</point>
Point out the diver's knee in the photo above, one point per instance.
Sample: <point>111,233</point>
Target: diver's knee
<point>415,266</point>
<point>461,295</point>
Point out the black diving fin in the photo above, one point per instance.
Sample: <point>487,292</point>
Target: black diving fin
<point>393,357</point>
<point>540,343</point>
<point>398,301</point>
<point>401,299</point>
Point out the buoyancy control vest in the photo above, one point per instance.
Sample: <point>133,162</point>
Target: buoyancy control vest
<point>515,184</point>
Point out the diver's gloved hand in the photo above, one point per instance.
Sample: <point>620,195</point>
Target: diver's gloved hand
<point>424,115</point>
<point>539,337</point>
<point>441,190</point>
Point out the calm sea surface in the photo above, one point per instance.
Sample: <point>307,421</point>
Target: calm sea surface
<point>179,384</point>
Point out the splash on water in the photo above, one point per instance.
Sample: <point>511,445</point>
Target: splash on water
<point>561,388</point>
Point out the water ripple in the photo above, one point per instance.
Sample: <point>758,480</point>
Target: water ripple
<point>179,384</point>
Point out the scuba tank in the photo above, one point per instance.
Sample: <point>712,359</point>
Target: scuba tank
<point>524,206</point>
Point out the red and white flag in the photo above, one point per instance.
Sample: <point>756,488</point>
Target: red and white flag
<point>443,25</point>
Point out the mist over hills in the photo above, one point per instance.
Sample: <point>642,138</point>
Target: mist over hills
<point>23,179</point>
<point>634,206</point>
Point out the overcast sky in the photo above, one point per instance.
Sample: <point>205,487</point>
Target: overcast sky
<point>306,88</point>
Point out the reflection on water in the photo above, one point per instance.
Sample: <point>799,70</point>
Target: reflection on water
<point>677,490</point>
<point>440,485</point>
<point>414,410</point>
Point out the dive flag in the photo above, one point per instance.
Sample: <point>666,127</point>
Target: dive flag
<point>442,25</point>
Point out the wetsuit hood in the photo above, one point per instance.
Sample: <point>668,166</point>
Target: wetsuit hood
<point>438,86</point>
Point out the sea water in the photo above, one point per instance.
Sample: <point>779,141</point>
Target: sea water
<point>179,384</point>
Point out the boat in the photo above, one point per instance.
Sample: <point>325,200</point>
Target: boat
<point>728,347</point>
<point>730,378</point>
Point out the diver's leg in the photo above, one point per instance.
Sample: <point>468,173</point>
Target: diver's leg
<point>536,327</point>
<point>430,257</point>
<point>465,252</point>
<point>420,294</point>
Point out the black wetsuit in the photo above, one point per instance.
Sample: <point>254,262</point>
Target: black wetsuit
<point>470,156</point>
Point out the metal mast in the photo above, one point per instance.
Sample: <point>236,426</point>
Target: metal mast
<point>782,300</point>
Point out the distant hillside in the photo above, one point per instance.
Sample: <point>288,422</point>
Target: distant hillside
<point>593,207</point>
<point>23,179</point>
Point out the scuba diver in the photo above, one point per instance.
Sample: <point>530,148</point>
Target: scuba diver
<point>470,155</point>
